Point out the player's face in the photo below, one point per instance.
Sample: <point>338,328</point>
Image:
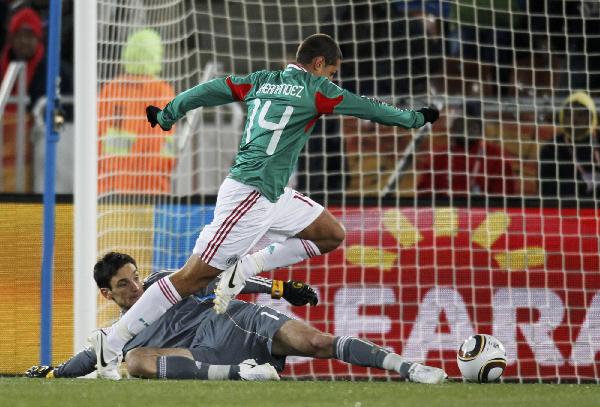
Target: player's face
<point>320,68</point>
<point>24,44</point>
<point>126,287</point>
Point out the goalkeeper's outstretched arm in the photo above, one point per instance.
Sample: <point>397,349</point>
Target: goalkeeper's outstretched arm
<point>79,365</point>
<point>294,292</point>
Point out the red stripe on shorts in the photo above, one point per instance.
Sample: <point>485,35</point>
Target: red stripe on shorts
<point>166,291</point>
<point>232,223</point>
<point>227,225</point>
<point>303,199</point>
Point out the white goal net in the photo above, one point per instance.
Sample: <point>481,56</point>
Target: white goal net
<point>485,222</point>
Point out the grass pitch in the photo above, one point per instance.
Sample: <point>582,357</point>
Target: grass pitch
<point>91,393</point>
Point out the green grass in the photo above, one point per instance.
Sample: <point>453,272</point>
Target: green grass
<point>90,393</point>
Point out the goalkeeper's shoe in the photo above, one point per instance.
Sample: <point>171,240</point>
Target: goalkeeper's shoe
<point>419,373</point>
<point>251,371</point>
<point>231,284</point>
<point>108,361</point>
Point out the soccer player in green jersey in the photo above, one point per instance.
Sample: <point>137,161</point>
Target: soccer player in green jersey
<point>253,202</point>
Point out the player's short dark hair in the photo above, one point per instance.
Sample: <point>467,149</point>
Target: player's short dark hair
<point>108,266</point>
<point>319,45</point>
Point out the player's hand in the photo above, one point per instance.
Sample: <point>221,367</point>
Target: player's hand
<point>430,113</point>
<point>298,294</point>
<point>40,371</point>
<point>152,115</point>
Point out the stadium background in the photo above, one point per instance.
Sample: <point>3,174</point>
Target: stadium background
<point>410,277</point>
<point>372,286</point>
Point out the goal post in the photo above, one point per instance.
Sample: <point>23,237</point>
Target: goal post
<point>85,177</point>
<point>485,222</point>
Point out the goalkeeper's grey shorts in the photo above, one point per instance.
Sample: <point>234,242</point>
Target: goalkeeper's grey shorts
<point>245,331</point>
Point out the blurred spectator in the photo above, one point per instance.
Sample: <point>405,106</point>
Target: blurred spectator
<point>133,156</point>
<point>570,166</point>
<point>25,42</point>
<point>469,166</point>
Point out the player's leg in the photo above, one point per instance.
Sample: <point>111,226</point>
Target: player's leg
<point>296,338</point>
<point>142,362</point>
<point>242,217</point>
<point>321,236</point>
<point>301,229</point>
<point>326,232</point>
<point>177,363</point>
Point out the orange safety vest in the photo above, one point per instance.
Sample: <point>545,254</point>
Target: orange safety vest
<point>133,157</point>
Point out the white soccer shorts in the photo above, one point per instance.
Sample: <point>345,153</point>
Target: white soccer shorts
<point>243,216</point>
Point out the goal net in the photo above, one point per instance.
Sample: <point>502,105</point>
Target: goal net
<point>485,222</point>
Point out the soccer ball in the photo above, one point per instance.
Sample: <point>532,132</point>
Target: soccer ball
<point>481,358</point>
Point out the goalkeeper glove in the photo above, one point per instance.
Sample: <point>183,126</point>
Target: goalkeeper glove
<point>294,292</point>
<point>430,114</point>
<point>40,371</point>
<point>152,115</point>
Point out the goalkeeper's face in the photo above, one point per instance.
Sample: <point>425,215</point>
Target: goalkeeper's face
<point>125,287</point>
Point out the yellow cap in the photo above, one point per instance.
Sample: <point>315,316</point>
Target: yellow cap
<point>583,99</point>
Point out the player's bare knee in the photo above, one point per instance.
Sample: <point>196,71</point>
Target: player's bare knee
<point>336,235</point>
<point>322,345</point>
<point>139,364</point>
<point>193,276</point>
<point>339,234</point>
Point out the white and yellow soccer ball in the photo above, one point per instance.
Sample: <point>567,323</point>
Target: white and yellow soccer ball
<point>481,358</point>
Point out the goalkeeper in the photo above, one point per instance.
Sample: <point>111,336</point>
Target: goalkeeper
<point>253,201</point>
<point>192,342</point>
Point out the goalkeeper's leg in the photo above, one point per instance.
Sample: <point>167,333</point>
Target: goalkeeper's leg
<point>296,338</point>
<point>151,363</point>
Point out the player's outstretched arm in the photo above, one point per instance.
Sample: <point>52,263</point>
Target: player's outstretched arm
<point>40,372</point>
<point>212,93</point>
<point>79,365</point>
<point>294,292</point>
<point>350,104</point>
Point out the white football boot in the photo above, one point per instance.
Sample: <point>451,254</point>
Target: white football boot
<point>231,284</point>
<point>251,371</point>
<point>108,362</point>
<point>419,373</point>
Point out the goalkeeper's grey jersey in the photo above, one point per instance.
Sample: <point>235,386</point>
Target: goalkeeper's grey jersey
<point>175,329</point>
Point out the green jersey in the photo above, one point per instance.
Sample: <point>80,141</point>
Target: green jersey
<point>283,107</point>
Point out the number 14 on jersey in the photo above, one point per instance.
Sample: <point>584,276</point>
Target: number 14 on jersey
<point>276,128</point>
